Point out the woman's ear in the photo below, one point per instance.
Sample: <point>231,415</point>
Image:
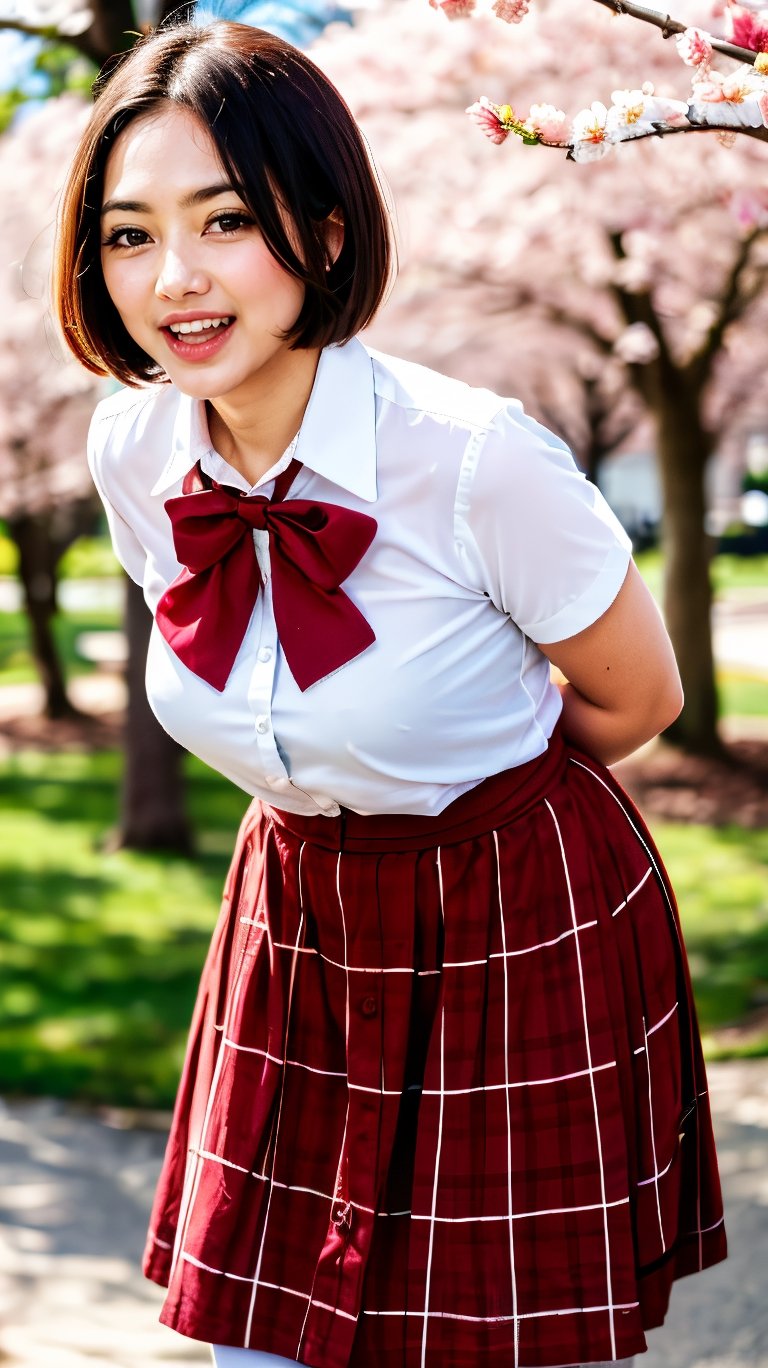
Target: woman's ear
<point>333,228</point>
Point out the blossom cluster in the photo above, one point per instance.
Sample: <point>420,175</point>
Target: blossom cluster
<point>726,102</point>
<point>511,11</point>
<point>593,131</point>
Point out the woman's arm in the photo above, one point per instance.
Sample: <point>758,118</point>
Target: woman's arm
<point>623,684</point>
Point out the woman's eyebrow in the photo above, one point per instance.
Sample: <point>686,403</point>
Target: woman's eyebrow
<point>188,201</point>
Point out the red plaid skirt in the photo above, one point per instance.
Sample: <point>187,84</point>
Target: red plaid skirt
<point>444,1100</point>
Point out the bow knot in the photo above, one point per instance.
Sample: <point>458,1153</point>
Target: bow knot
<point>314,547</point>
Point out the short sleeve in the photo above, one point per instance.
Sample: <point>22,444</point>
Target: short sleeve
<point>538,536</point>
<point>127,547</point>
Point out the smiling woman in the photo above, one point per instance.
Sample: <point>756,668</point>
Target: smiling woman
<point>297,166</point>
<point>198,288</point>
<point>443,1101</point>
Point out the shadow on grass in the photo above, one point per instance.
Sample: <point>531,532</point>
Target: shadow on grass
<point>101,953</point>
<point>92,1008</point>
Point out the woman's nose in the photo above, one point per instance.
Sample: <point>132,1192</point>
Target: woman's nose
<point>179,275</point>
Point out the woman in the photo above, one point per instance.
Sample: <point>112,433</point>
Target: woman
<point>443,1101</point>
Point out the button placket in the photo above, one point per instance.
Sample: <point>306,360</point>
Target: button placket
<point>261,688</point>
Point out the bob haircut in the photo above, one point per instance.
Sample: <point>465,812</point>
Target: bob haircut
<point>293,152</point>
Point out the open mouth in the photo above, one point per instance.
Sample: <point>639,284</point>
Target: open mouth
<point>200,338</point>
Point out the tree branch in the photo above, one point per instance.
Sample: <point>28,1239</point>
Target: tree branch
<point>668,26</point>
<point>637,305</point>
<point>741,390</point>
<point>734,301</point>
<point>653,376</point>
<point>553,313</point>
<point>663,130</point>
<point>48,33</point>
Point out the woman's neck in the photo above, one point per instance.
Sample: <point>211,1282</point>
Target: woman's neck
<point>253,431</point>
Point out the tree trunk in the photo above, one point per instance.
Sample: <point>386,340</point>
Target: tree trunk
<point>684,448</point>
<point>39,555</point>
<point>153,814</point>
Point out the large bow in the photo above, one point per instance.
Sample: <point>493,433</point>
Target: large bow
<point>313,548</point>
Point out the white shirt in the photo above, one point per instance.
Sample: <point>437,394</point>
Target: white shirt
<point>489,540</point>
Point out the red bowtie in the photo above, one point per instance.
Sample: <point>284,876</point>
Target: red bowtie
<point>313,548</point>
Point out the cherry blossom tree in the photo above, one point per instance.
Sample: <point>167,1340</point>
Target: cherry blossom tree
<point>46,497</point>
<point>653,262</point>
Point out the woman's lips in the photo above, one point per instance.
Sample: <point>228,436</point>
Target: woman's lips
<point>198,346</point>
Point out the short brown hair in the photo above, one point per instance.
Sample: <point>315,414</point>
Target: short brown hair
<point>282,132</point>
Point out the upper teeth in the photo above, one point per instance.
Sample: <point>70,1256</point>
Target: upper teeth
<point>198,325</point>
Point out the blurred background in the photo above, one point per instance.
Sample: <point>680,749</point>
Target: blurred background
<point>626,303</point>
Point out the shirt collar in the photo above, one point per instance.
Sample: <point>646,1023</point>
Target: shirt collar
<point>338,431</point>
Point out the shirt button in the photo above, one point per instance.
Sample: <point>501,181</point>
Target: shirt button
<point>265,654</point>
<point>369,1006</point>
<point>262,725</point>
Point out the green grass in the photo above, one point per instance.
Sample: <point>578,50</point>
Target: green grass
<point>729,573</point>
<point>9,556</point>
<point>742,695</point>
<point>102,953</point>
<point>16,664</point>
<point>720,877</point>
<point>87,558</point>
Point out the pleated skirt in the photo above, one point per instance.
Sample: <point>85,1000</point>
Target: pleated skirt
<point>443,1101</point>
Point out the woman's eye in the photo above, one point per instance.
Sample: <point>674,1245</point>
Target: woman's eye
<point>230,223</point>
<point>127,237</point>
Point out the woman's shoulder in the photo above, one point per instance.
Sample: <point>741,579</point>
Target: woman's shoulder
<point>411,386</point>
<point>484,428</point>
<point>133,428</point>
<point>126,409</point>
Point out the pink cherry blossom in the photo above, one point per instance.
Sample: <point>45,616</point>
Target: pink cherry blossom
<point>762,104</point>
<point>628,107</point>
<point>511,11</point>
<point>746,29</point>
<point>454,9</point>
<point>549,123</point>
<point>749,207</point>
<point>738,86</point>
<point>636,346</point>
<point>709,91</point>
<point>591,139</point>
<point>695,47</point>
<point>485,115</point>
<point>589,124</point>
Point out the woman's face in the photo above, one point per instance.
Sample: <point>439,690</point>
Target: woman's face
<point>185,265</point>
